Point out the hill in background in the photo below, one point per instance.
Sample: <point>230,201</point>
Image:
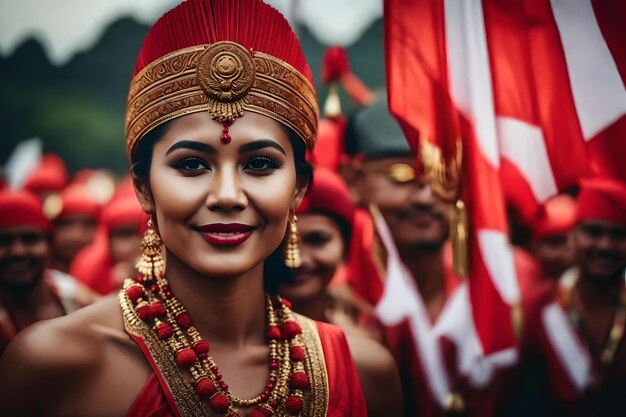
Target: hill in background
<point>78,109</point>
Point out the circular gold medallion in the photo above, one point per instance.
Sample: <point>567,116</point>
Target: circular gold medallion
<point>225,71</point>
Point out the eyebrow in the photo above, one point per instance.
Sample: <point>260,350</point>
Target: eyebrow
<point>205,147</point>
<point>193,145</point>
<point>260,144</point>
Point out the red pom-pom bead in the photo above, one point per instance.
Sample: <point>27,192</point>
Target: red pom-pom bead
<point>205,387</point>
<point>185,357</point>
<point>290,329</point>
<point>273,333</point>
<point>183,320</point>
<point>274,364</point>
<point>134,292</point>
<point>297,353</point>
<point>261,411</point>
<point>143,311</point>
<point>201,347</point>
<point>164,331</point>
<point>223,386</point>
<point>157,309</point>
<point>300,380</point>
<point>219,403</point>
<point>294,405</point>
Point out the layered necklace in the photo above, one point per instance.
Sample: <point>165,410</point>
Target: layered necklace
<point>566,286</point>
<point>154,303</point>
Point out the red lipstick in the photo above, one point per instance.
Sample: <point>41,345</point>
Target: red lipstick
<point>226,234</point>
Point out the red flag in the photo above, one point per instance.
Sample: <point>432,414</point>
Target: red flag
<point>438,72</point>
<point>535,90</point>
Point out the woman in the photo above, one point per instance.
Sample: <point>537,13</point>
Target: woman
<point>325,225</point>
<point>220,110</point>
<point>324,228</point>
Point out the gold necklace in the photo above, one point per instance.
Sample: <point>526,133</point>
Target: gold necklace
<point>155,304</point>
<point>566,285</point>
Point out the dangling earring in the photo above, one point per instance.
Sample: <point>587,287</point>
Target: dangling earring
<point>151,263</point>
<point>292,251</point>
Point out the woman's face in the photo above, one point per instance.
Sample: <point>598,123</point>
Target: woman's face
<point>222,209</point>
<point>321,249</point>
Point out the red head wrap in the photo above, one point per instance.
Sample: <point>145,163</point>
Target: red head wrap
<point>223,57</point>
<point>121,211</point>
<point>21,208</point>
<point>328,193</point>
<point>556,216</point>
<point>75,200</point>
<point>602,198</point>
<point>50,176</point>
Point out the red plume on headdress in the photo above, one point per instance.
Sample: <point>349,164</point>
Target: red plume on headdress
<point>336,68</point>
<point>250,23</point>
<point>335,64</point>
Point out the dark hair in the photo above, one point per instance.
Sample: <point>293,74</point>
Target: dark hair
<point>275,272</point>
<point>142,155</point>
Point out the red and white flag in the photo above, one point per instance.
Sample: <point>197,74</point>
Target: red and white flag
<point>535,90</point>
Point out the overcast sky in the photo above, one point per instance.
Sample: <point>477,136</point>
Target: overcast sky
<point>65,27</point>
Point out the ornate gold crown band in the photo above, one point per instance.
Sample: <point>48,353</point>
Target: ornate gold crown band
<point>224,79</point>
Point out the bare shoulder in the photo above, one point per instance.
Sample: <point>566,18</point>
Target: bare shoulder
<point>52,357</point>
<point>376,368</point>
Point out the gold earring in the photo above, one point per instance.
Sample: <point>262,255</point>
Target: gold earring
<point>292,252</point>
<point>151,264</point>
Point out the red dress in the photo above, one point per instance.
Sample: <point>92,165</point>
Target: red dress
<point>342,391</point>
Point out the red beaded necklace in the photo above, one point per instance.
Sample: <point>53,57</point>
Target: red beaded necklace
<point>154,303</point>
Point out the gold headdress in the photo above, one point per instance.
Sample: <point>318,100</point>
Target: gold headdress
<point>210,64</point>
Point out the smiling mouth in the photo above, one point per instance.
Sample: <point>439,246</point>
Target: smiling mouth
<point>224,235</point>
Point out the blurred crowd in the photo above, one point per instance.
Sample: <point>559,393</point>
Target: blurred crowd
<point>373,234</point>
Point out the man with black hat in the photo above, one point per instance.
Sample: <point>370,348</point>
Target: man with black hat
<point>407,229</point>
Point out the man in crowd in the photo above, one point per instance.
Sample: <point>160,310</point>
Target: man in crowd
<point>404,268</point>
<point>30,292</point>
<point>74,227</point>
<point>575,329</point>
<point>551,238</point>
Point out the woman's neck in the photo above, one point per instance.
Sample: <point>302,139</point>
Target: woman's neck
<point>224,309</point>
